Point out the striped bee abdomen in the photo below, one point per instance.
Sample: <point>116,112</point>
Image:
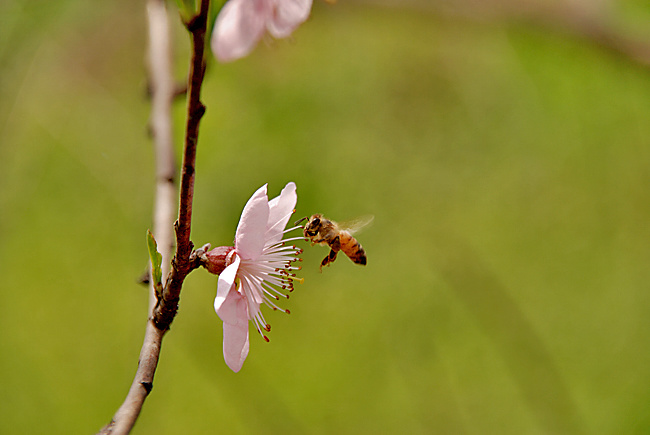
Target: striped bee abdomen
<point>352,248</point>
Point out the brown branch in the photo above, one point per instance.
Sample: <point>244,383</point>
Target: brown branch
<point>583,20</point>
<point>162,91</point>
<point>182,264</point>
<point>162,312</point>
<point>592,27</point>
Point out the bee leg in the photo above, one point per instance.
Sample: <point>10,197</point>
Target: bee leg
<point>329,259</point>
<point>335,248</point>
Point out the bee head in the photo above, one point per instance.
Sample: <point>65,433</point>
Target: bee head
<point>312,226</point>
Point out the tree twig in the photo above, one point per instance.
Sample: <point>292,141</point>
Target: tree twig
<point>585,20</point>
<point>163,94</point>
<point>161,312</point>
<point>182,263</point>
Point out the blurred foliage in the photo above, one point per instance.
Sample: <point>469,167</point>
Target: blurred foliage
<point>507,284</point>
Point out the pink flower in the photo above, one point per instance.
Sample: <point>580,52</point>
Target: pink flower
<point>241,24</point>
<point>257,271</point>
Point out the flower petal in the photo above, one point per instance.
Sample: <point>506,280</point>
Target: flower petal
<point>235,337</point>
<point>224,289</point>
<point>280,210</point>
<point>249,238</point>
<point>287,15</point>
<point>251,289</point>
<point>239,27</point>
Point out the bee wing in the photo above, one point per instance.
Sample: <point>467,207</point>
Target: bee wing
<point>355,225</point>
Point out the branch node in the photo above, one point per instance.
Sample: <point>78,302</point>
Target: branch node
<point>196,23</point>
<point>199,111</point>
<point>147,386</point>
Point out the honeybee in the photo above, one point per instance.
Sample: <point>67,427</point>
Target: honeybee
<point>338,237</point>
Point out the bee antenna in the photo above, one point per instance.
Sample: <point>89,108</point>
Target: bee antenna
<point>300,220</point>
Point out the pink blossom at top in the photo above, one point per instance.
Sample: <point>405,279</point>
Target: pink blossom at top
<point>242,23</point>
<point>258,270</point>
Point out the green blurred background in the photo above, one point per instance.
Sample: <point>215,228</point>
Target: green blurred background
<point>507,165</point>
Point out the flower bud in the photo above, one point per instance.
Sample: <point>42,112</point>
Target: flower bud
<point>215,261</point>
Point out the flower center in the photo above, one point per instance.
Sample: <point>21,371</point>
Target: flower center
<point>268,278</point>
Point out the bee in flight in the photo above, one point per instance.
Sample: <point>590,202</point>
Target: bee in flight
<point>323,231</point>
